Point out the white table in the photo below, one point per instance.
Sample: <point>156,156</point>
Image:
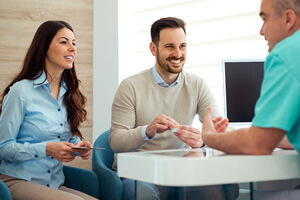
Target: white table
<point>209,167</point>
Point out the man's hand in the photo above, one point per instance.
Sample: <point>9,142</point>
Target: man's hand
<point>160,124</point>
<point>220,124</point>
<point>208,125</point>
<point>211,126</point>
<point>192,136</point>
<point>189,135</point>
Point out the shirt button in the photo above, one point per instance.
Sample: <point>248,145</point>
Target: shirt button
<point>48,171</point>
<point>36,156</point>
<point>58,136</point>
<point>58,109</point>
<point>48,185</point>
<point>61,124</point>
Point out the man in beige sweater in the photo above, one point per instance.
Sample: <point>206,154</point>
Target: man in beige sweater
<point>149,104</point>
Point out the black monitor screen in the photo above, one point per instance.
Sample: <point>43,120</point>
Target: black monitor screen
<point>242,82</point>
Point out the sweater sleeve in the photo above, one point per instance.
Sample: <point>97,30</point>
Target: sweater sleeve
<point>205,100</point>
<point>124,136</point>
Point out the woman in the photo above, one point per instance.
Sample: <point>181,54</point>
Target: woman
<point>40,114</point>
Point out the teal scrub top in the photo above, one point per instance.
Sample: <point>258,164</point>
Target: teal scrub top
<point>279,102</point>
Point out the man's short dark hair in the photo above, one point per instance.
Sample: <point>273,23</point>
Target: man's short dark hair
<point>168,22</point>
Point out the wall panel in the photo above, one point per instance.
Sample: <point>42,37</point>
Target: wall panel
<point>19,20</point>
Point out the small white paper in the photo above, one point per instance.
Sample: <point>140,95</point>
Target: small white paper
<point>174,130</point>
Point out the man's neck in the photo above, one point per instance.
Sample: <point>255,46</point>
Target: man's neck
<point>168,77</point>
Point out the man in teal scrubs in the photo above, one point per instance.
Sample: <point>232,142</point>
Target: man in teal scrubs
<point>277,112</point>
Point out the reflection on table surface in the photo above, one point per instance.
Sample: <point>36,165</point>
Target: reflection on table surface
<point>203,152</point>
<point>199,152</point>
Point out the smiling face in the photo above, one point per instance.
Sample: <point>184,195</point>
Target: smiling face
<point>61,52</point>
<point>273,27</point>
<point>171,51</point>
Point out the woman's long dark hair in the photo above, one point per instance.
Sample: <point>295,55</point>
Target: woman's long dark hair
<point>34,65</point>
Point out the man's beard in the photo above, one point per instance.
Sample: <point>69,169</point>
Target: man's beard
<point>165,66</point>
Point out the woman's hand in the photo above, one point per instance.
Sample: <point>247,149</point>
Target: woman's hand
<point>84,153</point>
<point>61,151</point>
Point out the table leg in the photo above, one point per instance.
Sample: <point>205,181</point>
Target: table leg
<point>181,193</point>
<point>135,189</point>
<point>251,191</point>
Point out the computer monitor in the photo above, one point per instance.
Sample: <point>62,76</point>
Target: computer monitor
<point>242,82</point>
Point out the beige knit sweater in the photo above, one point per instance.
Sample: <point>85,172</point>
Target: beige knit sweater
<point>139,99</point>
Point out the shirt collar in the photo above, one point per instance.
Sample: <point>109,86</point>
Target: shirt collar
<point>63,83</point>
<point>157,78</point>
<point>42,80</point>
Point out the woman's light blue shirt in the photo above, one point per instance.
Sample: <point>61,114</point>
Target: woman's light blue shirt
<point>31,117</point>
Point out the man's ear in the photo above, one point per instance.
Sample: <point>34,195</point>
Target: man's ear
<point>153,48</point>
<point>289,17</point>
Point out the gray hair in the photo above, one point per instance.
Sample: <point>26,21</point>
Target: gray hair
<point>282,5</point>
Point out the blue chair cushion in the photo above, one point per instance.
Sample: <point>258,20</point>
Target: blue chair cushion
<point>82,180</point>
<point>110,183</point>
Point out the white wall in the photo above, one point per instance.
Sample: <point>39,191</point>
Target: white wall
<point>105,63</point>
<point>217,30</point>
<point>230,31</point>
